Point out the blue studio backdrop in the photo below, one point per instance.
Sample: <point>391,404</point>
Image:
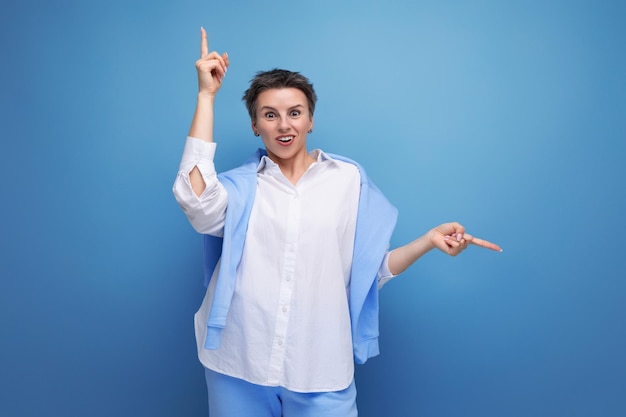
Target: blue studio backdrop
<point>509,117</point>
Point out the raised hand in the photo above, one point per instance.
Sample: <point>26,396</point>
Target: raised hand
<point>211,67</point>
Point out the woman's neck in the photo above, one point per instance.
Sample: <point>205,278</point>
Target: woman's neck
<point>294,168</point>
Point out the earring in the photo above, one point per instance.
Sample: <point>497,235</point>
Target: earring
<point>310,131</point>
<point>256,134</point>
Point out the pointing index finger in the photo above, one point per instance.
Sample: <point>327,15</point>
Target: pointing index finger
<point>204,43</point>
<point>486,244</point>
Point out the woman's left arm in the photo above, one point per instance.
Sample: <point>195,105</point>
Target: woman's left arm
<point>448,237</point>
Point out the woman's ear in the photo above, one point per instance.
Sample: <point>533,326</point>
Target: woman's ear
<point>253,125</point>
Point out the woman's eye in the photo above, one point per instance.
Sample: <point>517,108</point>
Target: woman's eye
<point>269,115</point>
<point>295,113</point>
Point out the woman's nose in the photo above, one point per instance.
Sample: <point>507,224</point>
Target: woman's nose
<point>283,124</point>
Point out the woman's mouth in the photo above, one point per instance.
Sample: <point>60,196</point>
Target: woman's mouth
<point>285,140</point>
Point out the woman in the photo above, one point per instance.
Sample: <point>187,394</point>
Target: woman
<point>296,248</point>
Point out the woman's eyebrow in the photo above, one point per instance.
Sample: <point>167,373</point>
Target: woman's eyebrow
<point>272,108</point>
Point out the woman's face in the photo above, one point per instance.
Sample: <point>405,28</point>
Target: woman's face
<point>283,121</point>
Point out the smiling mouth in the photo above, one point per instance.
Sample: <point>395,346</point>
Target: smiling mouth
<point>285,139</point>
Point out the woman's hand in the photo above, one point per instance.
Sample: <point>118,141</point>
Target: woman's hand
<point>448,237</point>
<point>211,68</point>
<point>452,239</point>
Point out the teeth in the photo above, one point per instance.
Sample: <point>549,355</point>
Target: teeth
<point>285,139</point>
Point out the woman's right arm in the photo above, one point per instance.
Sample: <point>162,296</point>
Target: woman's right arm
<point>197,190</point>
<point>211,68</point>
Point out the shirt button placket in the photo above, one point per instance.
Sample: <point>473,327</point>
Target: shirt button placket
<point>284,300</point>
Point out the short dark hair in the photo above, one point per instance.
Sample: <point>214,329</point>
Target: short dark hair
<point>278,78</point>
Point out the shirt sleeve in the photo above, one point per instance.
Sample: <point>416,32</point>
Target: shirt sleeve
<point>205,212</point>
<point>384,274</point>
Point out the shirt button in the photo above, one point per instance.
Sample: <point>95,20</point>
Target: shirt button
<point>288,278</point>
<point>280,342</point>
<point>284,309</point>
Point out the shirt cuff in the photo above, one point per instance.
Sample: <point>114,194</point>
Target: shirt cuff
<point>199,153</point>
<point>384,274</point>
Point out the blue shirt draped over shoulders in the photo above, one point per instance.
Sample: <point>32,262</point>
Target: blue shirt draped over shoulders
<point>376,220</point>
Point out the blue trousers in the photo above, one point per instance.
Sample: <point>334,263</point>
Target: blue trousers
<point>232,397</point>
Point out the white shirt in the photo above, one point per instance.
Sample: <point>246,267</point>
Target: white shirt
<point>288,323</point>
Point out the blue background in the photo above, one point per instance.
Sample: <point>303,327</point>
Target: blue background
<point>506,116</point>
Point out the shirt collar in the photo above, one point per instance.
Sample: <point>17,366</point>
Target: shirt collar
<point>319,156</point>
